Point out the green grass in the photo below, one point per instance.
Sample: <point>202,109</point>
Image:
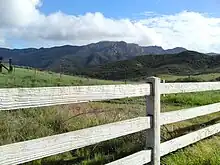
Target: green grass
<point>33,78</point>
<point>205,152</point>
<point>205,77</point>
<point>21,125</point>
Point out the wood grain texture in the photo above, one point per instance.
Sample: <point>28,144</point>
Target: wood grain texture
<point>138,158</point>
<point>153,110</point>
<point>26,151</point>
<point>185,140</point>
<point>18,98</point>
<point>169,88</point>
<point>185,114</point>
<point>144,157</point>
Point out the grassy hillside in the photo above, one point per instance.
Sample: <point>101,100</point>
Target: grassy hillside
<point>138,68</point>
<point>33,123</point>
<point>33,78</point>
<point>200,77</point>
<point>116,61</point>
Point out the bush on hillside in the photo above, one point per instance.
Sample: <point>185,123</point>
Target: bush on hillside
<point>217,79</point>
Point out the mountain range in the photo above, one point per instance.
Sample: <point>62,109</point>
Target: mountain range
<point>115,60</point>
<point>73,57</point>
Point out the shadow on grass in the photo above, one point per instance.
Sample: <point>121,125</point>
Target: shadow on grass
<point>182,131</point>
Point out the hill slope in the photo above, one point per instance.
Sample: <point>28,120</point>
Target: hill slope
<point>184,63</point>
<point>32,78</point>
<point>72,57</point>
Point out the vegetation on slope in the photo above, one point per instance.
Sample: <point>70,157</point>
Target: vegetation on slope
<point>21,125</point>
<point>115,60</point>
<point>138,68</point>
<point>194,78</point>
<point>34,78</point>
<point>72,57</point>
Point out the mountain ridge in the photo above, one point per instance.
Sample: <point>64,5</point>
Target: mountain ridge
<point>81,56</point>
<point>96,57</point>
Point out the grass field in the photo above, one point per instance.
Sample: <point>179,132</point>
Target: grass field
<point>205,77</point>
<point>33,123</point>
<point>33,78</point>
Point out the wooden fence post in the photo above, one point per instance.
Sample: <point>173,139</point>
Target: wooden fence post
<point>153,110</point>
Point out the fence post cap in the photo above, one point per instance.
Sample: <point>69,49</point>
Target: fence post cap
<point>153,78</point>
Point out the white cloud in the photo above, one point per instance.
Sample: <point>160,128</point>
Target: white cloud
<point>22,19</point>
<point>18,13</point>
<point>188,29</point>
<point>2,42</point>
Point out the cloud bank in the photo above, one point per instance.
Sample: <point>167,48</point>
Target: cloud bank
<point>22,20</point>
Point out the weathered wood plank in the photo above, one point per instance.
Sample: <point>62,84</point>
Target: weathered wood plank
<point>169,88</point>
<point>144,157</point>
<point>18,98</point>
<point>185,114</point>
<point>26,151</point>
<point>153,110</point>
<point>138,158</point>
<point>185,140</point>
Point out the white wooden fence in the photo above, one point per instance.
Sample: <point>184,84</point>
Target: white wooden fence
<point>21,152</point>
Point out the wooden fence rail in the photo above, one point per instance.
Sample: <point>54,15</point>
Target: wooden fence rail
<point>144,156</point>
<point>17,98</point>
<point>39,148</point>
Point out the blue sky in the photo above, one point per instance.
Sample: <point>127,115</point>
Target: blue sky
<point>129,8</point>
<point>192,24</point>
